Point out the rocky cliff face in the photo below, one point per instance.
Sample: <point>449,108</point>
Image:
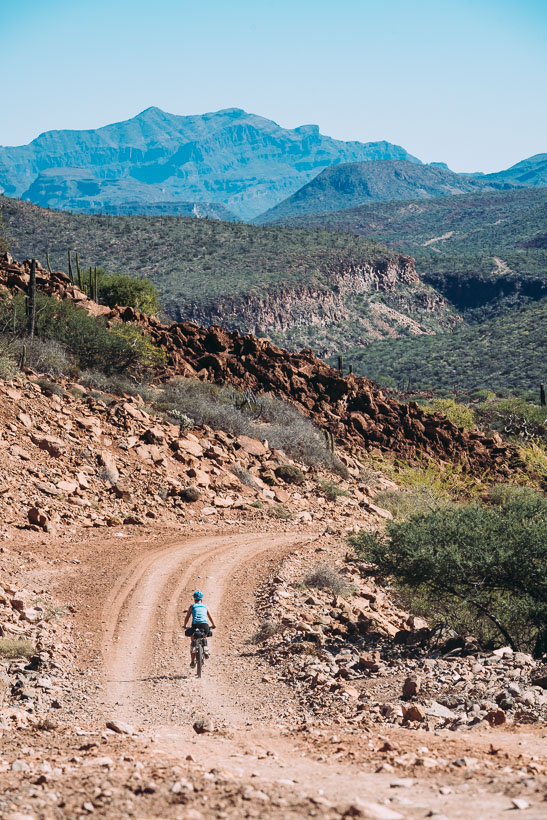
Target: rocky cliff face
<point>376,299</point>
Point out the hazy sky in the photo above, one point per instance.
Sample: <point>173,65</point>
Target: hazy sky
<point>457,81</point>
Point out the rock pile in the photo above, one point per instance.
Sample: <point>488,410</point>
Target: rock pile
<point>352,409</point>
<point>70,459</point>
<point>359,656</point>
<point>34,656</point>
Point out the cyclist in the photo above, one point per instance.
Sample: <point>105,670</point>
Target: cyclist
<point>200,620</point>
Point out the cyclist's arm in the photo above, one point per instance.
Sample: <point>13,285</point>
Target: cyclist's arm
<point>188,613</point>
<point>211,618</point>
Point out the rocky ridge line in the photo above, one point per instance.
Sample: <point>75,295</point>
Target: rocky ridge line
<point>354,409</point>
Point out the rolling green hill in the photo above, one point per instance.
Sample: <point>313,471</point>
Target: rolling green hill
<point>357,183</point>
<point>506,354</point>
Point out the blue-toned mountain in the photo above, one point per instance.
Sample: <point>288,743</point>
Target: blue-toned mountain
<point>241,161</point>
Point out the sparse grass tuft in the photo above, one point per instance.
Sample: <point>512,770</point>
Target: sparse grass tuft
<point>12,648</point>
<point>280,512</point>
<point>324,576</point>
<point>331,490</point>
<point>267,630</point>
<point>402,503</point>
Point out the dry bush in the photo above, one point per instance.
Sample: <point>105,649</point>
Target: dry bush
<point>45,356</point>
<point>12,648</point>
<point>243,413</point>
<point>244,476</point>
<point>267,630</point>
<point>280,512</point>
<point>324,576</point>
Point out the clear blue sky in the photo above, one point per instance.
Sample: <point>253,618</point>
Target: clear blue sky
<point>457,81</point>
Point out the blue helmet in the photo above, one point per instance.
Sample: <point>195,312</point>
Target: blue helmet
<point>198,596</point>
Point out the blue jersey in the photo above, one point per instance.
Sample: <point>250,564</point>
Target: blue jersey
<point>199,613</point>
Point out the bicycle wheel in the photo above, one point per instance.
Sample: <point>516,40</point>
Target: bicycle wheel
<point>199,659</point>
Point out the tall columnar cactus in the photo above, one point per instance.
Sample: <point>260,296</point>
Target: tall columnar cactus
<point>80,283</point>
<point>340,365</point>
<point>70,272</point>
<point>31,302</point>
<point>329,440</point>
<point>96,285</point>
<point>47,262</point>
<point>542,395</point>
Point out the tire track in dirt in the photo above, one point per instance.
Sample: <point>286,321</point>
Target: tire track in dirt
<point>143,647</point>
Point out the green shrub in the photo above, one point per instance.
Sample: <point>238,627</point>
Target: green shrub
<point>459,414</point>
<point>486,563</point>
<point>93,345</point>
<point>118,289</point>
<point>290,474</point>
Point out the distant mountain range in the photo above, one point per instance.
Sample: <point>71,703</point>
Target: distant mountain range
<point>241,161</point>
<point>228,165</point>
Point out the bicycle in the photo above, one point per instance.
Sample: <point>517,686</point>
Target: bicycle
<point>199,639</point>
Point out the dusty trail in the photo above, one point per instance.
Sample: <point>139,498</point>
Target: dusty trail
<point>148,681</point>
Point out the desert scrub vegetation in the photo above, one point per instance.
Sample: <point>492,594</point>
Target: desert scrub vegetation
<point>325,576</point>
<point>280,512</point>
<point>267,629</point>
<point>13,648</point>
<point>290,474</point>
<point>194,260</point>
<point>330,490</point>
<point>479,564</point>
<point>403,503</point>
<point>462,415</point>
<point>68,339</point>
<point>258,416</point>
<point>504,354</point>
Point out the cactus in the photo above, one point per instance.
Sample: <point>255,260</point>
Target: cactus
<point>31,303</point>
<point>47,262</point>
<point>80,283</point>
<point>542,395</point>
<point>329,440</point>
<point>70,272</point>
<point>340,365</point>
<point>350,369</point>
<point>23,359</point>
<point>96,285</point>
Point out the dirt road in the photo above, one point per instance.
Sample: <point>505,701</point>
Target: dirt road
<point>148,682</point>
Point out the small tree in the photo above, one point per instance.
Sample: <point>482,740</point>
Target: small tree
<point>118,289</point>
<point>486,561</point>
